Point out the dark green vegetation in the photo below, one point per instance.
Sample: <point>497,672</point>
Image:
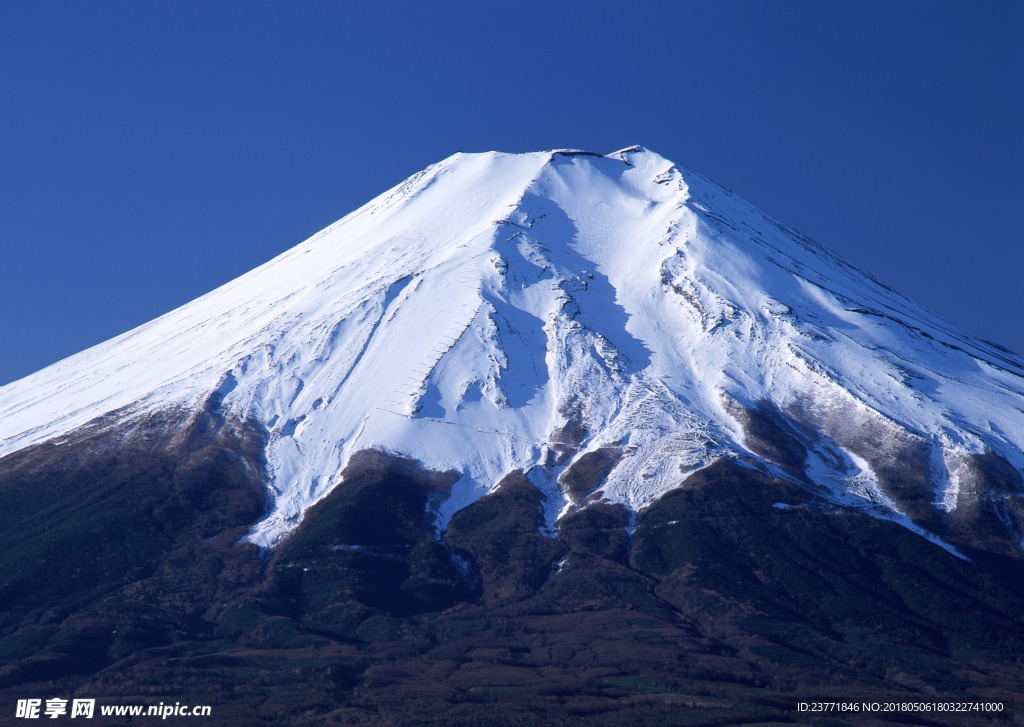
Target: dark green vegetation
<point>122,578</point>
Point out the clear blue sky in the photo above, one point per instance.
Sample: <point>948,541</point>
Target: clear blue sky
<point>150,151</point>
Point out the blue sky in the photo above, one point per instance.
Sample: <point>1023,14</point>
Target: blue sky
<point>152,151</point>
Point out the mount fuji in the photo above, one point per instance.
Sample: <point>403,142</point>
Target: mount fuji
<point>600,383</point>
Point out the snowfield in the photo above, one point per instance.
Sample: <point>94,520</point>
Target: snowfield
<point>502,312</point>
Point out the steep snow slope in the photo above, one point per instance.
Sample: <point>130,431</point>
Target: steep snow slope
<point>499,312</point>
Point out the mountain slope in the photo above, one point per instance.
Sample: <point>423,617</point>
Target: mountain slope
<point>500,313</point>
<point>554,438</point>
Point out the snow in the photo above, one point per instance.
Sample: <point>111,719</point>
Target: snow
<point>496,310</point>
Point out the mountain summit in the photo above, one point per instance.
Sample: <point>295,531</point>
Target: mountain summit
<point>560,312</point>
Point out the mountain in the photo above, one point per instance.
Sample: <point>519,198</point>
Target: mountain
<point>584,434</point>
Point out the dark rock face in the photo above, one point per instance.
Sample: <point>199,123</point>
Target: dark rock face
<point>772,435</point>
<point>499,535</point>
<point>114,541</point>
<point>368,549</point>
<point>988,520</point>
<point>990,508</point>
<point>589,472</point>
<point>122,577</point>
<point>721,534</point>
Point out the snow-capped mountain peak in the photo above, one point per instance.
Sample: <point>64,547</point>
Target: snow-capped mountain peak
<point>501,312</point>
